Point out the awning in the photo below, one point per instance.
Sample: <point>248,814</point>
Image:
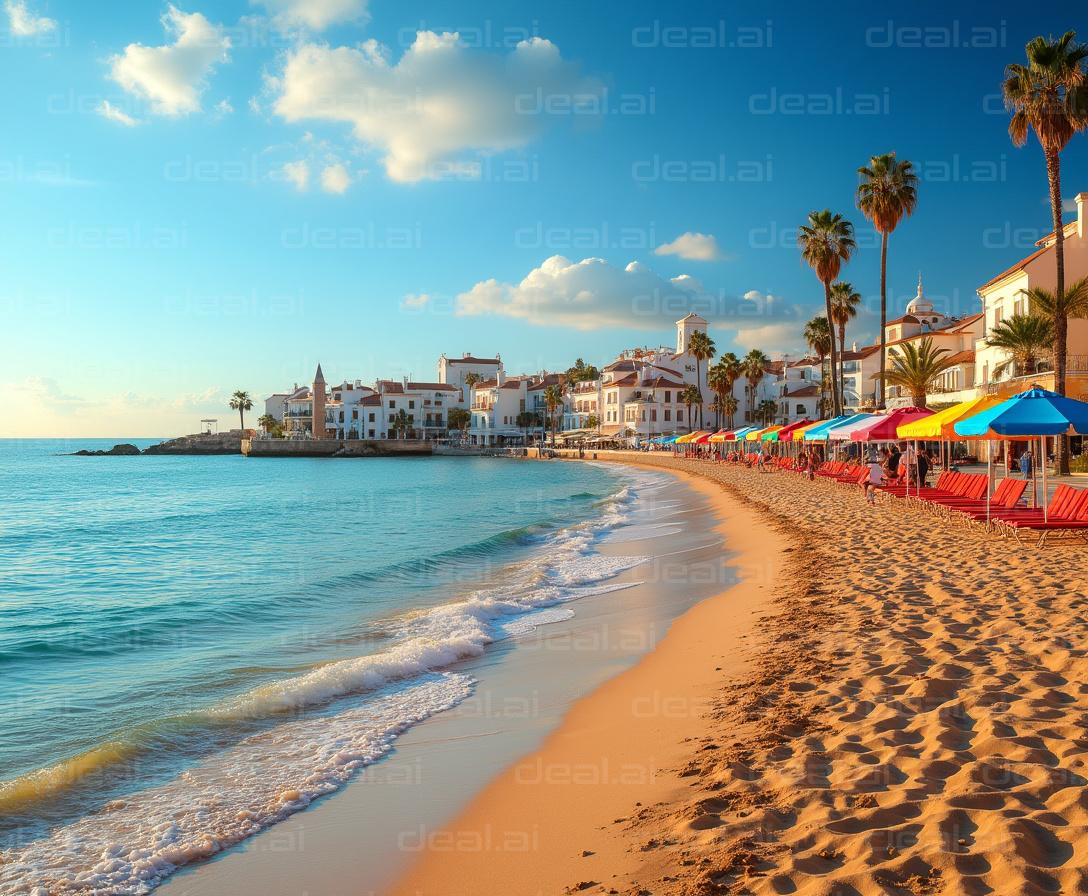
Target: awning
<point>769,434</point>
<point>720,436</point>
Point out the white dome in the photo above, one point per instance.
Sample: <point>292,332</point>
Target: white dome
<point>920,304</point>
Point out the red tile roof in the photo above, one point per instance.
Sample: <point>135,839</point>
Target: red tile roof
<point>905,319</point>
<point>434,387</point>
<point>962,357</point>
<point>809,391</point>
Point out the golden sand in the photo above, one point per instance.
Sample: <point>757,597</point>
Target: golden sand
<point>887,705</point>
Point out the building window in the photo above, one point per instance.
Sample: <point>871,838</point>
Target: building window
<point>392,405</point>
<point>411,405</point>
<point>668,415</point>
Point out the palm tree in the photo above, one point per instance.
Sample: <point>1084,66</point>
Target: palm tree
<point>819,339</point>
<point>701,347</point>
<point>241,402</point>
<point>729,408</point>
<point>401,424</point>
<point>267,422</point>
<point>1026,338</point>
<point>826,242</point>
<point>593,422</point>
<point>888,191</point>
<point>1050,97</point>
<point>691,396</point>
<point>459,419</point>
<point>916,368</point>
<point>553,399</point>
<point>717,378</point>
<point>767,411</point>
<point>844,308</point>
<point>754,366</point>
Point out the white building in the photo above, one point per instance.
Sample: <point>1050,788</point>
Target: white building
<point>276,404</point>
<point>1005,295</point>
<point>452,371</point>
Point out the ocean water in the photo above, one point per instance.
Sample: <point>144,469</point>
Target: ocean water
<point>195,648</point>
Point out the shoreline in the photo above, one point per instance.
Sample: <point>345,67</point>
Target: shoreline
<point>362,837</point>
<point>559,819</point>
<point>907,721</point>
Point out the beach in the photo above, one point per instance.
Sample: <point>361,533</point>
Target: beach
<point>884,703</point>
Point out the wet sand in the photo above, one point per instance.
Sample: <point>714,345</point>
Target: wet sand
<point>890,704</point>
<point>362,838</point>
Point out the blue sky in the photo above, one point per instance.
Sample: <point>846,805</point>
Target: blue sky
<point>217,195</point>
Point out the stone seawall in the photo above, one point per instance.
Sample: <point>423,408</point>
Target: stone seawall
<point>336,448</point>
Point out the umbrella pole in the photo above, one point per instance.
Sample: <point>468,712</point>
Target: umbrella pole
<point>989,477</point>
<point>1042,460</point>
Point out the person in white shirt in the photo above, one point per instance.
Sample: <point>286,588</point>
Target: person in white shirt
<point>875,480</point>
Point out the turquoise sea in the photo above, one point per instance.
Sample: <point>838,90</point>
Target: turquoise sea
<point>193,648</point>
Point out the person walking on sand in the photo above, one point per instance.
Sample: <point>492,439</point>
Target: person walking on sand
<point>1027,463</point>
<point>875,480</point>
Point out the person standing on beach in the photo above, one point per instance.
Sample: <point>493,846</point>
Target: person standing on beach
<point>923,467</point>
<point>875,480</point>
<point>1027,463</point>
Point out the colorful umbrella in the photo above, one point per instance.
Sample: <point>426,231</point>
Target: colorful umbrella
<point>884,428</point>
<point>818,433</point>
<point>939,425</point>
<point>1035,412</point>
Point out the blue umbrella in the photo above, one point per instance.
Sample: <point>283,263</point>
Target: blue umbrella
<point>818,433</point>
<point>1035,412</point>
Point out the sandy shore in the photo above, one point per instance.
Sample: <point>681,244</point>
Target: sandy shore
<point>885,704</point>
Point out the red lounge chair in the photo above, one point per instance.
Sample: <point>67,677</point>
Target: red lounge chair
<point>1067,511</point>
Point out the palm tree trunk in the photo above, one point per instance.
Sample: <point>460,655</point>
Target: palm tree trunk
<point>842,372</point>
<point>699,386</point>
<point>1061,320</point>
<point>835,402</point>
<point>242,419</point>
<point>881,401</point>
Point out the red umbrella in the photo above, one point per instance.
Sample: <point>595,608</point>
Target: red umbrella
<point>883,429</point>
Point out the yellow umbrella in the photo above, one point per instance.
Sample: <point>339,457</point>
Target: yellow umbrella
<point>939,425</point>
<point>690,437</point>
<point>755,435</point>
<point>720,435</point>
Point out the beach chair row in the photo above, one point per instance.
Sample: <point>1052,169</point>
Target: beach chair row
<point>961,497</point>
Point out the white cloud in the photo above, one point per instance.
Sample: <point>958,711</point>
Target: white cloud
<point>23,22</point>
<point>172,77</point>
<point>438,103</point>
<point>415,300</point>
<point>587,295</point>
<point>223,108</point>
<point>316,15</point>
<point>107,110</point>
<point>297,173</point>
<point>335,178</point>
<point>776,337</point>
<point>692,247</point>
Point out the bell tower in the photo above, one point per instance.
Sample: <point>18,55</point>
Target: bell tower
<point>317,427</point>
<point>684,328</point>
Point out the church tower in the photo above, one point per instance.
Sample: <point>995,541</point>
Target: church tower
<point>318,424</point>
<point>684,328</point>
